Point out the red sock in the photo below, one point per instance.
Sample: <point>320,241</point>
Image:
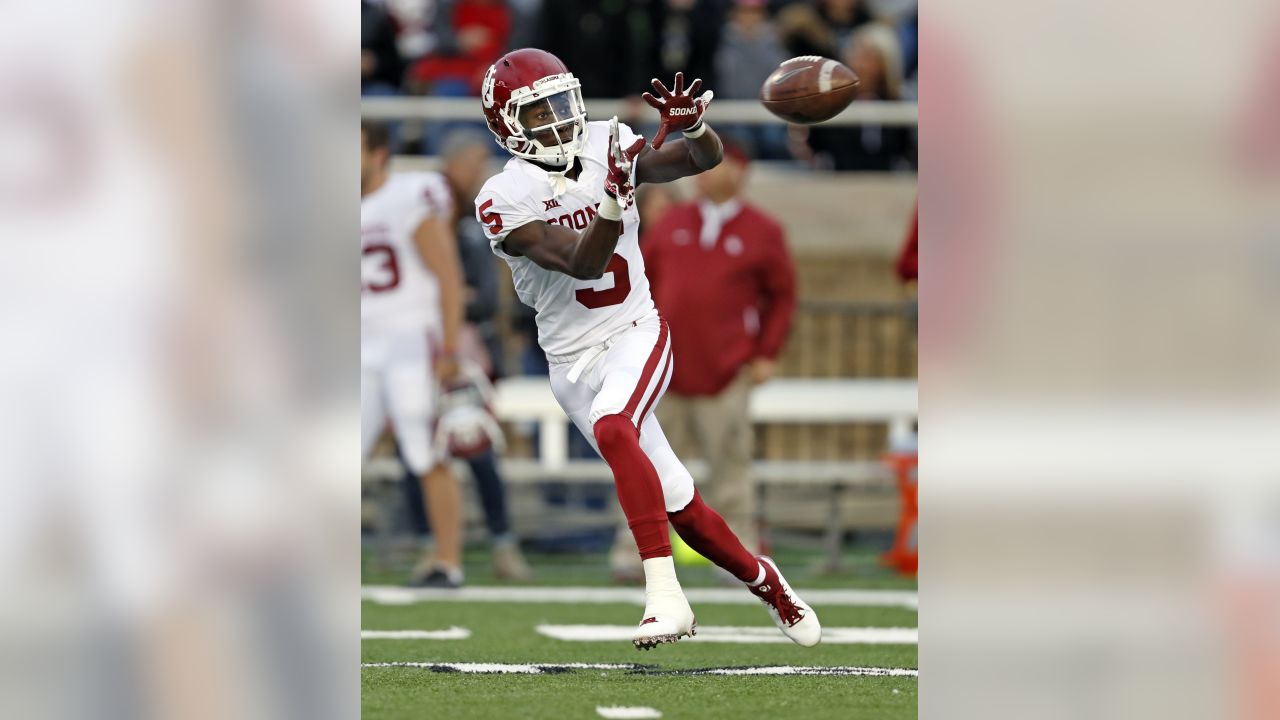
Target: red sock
<point>707,532</point>
<point>639,489</point>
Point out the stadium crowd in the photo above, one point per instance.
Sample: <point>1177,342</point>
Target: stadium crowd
<point>442,48</point>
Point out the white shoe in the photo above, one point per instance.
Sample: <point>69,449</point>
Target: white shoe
<point>667,618</point>
<point>509,563</point>
<point>792,615</point>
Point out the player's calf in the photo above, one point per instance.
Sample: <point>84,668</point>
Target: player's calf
<point>705,531</point>
<point>639,488</point>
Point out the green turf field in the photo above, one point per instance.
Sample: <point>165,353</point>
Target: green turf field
<point>505,632</point>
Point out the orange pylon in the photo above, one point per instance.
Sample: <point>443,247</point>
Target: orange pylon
<point>904,556</point>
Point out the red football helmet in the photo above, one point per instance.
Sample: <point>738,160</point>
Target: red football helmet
<point>534,107</point>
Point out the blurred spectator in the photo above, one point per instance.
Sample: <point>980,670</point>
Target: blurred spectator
<point>417,24</point>
<point>750,51</point>
<point>909,35</point>
<point>908,265</point>
<point>820,27</point>
<point>653,201</point>
<point>466,166</point>
<point>474,36</point>
<point>688,33</point>
<point>608,45</point>
<point>410,316</point>
<point>466,155</point>
<point>875,56</point>
<point>379,60</point>
<point>524,22</point>
<point>722,276</point>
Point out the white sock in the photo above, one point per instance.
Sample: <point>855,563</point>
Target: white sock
<point>759,578</point>
<point>660,575</point>
<point>453,573</point>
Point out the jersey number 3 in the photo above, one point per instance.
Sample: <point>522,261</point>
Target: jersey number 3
<point>389,268</point>
<point>615,295</point>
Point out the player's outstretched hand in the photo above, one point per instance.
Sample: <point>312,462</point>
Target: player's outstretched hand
<point>617,183</point>
<point>680,109</point>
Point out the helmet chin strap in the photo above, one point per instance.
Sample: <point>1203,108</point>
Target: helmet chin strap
<point>559,184</point>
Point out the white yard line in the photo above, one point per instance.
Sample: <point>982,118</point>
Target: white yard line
<point>804,670</point>
<point>555,668</point>
<point>453,633</point>
<point>392,595</point>
<point>501,668</point>
<point>620,712</point>
<point>739,635</point>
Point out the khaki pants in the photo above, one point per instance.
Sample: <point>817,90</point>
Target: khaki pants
<point>718,430</point>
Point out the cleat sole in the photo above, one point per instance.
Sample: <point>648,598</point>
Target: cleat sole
<point>651,642</point>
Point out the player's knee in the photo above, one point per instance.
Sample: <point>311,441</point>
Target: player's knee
<point>689,507</point>
<point>613,430</point>
<point>677,483</point>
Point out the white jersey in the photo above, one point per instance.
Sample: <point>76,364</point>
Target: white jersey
<point>572,315</point>
<point>398,293</point>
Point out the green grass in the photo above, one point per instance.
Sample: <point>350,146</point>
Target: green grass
<point>504,632</point>
<point>395,693</point>
<point>860,569</point>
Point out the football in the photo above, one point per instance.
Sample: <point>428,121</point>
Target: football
<point>808,89</point>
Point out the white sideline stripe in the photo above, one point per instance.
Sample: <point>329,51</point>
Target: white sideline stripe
<point>804,670</point>
<point>501,668</point>
<point>543,668</point>
<point>740,635</point>
<point>453,633</point>
<point>393,595</point>
<point>620,712</point>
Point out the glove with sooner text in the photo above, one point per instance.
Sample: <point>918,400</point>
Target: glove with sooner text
<point>680,109</point>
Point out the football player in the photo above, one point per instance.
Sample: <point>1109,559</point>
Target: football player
<point>410,316</point>
<point>562,215</point>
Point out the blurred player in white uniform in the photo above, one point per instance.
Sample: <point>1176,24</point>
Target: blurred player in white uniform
<point>562,214</point>
<point>410,315</point>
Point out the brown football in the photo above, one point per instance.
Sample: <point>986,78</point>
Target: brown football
<point>808,89</point>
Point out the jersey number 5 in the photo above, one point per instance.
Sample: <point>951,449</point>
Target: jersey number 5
<point>492,220</point>
<point>621,273</point>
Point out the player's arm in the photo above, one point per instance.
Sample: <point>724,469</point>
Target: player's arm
<point>439,251</point>
<point>681,158</point>
<point>579,255</point>
<point>584,255</point>
<point>680,110</point>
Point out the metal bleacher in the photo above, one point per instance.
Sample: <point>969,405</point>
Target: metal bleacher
<point>890,402</point>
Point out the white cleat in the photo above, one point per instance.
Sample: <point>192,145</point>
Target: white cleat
<point>667,618</point>
<point>792,615</point>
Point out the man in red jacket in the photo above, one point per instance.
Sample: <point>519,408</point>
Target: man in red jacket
<point>721,275</point>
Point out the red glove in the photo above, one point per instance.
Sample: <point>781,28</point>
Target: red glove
<point>680,110</point>
<point>617,183</point>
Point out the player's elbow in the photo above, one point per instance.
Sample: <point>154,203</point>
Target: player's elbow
<point>717,157</point>
<point>706,162</point>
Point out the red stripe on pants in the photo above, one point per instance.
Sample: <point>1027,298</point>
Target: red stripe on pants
<point>649,367</point>
<point>657,389</point>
